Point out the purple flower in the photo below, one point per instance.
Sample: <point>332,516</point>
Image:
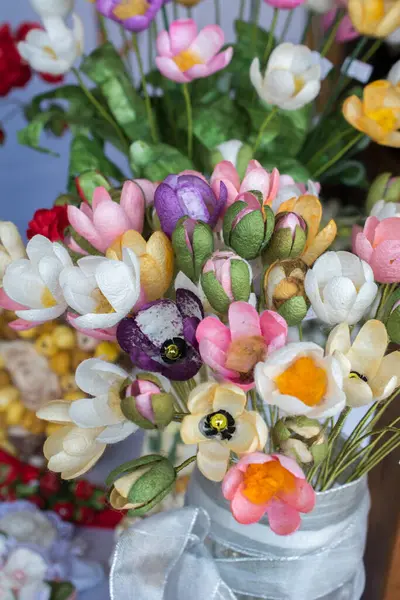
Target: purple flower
<point>134,15</point>
<point>161,337</point>
<point>181,195</point>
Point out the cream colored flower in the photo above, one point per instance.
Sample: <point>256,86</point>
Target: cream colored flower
<point>369,375</point>
<point>219,424</point>
<point>11,246</point>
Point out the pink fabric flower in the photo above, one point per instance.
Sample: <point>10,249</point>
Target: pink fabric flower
<point>379,245</point>
<point>184,54</point>
<point>279,490</point>
<point>106,220</point>
<point>17,324</point>
<point>234,351</point>
<point>256,178</point>
<point>346,31</point>
<point>285,4</point>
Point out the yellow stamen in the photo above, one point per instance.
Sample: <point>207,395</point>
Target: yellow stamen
<point>131,8</point>
<point>187,59</point>
<point>264,481</point>
<point>172,352</point>
<point>103,305</point>
<point>298,84</point>
<point>244,353</point>
<point>385,117</point>
<point>219,422</point>
<point>48,299</point>
<point>50,52</point>
<point>304,380</point>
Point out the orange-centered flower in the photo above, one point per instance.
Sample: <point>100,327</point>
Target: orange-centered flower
<point>264,481</point>
<point>244,353</point>
<point>305,380</point>
<point>187,59</point>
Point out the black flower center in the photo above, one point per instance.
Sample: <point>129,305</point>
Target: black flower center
<point>173,350</point>
<point>356,375</point>
<point>218,424</point>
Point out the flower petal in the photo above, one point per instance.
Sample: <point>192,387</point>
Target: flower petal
<point>231,482</point>
<point>208,42</point>
<point>215,332</point>
<point>244,320</point>
<point>283,519</point>
<point>274,330</point>
<point>244,511</point>
<point>358,392</point>
<point>368,349</point>
<point>212,460</point>
<point>93,412</point>
<point>190,431</point>
<point>182,34</point>
<point>229,397</point>
<point>388,375</point>
<point>302,498</point>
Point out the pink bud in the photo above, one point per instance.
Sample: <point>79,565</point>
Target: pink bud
<point>143,390</point>
<point>220,265</point>
<point>290,221</point>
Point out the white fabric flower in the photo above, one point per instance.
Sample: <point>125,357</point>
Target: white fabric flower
<point>230,150</point>
<point>102,290</point>
<point>52,8</point>
<point>368,374</point>
<point>340,287</point>
<point>384,210</point>
<point>11,246</point>
<point>320,6</point>
<point>23,572</point>
<point>34,281</point>
<point>55,49</point>
<point>394,73</point>
<point>291,80</point>
<point>299,380</point>
<point>29,527</point>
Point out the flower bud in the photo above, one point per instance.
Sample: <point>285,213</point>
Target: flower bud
<point>288,239</point>
<point>392,320</point>
<point>146,403</point>
<point>226,278</point>
<point>284,290</point>
<point>193,242</point>
<point>247,227</point>
<point>238,153</point>
<point>140,484</point>
<point>384,187</point>
<point>301,438</point>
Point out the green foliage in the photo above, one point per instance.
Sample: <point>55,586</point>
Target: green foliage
<point>218,122</point>
<point>87,155</point>
<point>157,161</point>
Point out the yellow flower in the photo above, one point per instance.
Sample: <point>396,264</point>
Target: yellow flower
<point>310,209</point>
<point>378,18</point>
<point>377,114</point>
<point>156,260</point>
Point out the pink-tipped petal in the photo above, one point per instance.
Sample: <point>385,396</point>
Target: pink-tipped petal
<point>132,202</point>
<point>100,195</point>
<point>250,199</point>
<point>193,172</point>
<point>385,262</point>
<point>226,171</point>
<point>8,304</point>
<point>148,188</point>
<point>257,179</point>
<point>244,320</point>
<point>274,186</point>
<point>274,330</point>
<point>362,247</point>
<point>22,325</point>
<point>219,62</point>
<point>232,191</point>
<point>107,335</point>
<point>283,519</point>
<point>354,233</point>
<point>110,222</point>
<point>215,359</point>
<point>144,406</point>
<point>231,482</point>
<point>87,210</point>
<point>163,44</point>
<point>182,34</point>
<point>244,511</point>
<point>253,164</point>
<point>170,70</point>
<point>208,43</point>
<point>290,465</point>
<point>254,458</point>
<point>214,331</point>
<point>388,229</point>
<point>302,498</point>
<point>369,228</point>
<point>85,228</point>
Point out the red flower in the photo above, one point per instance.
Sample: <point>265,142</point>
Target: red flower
<point>14,72</point>
<point>64,509</point>
<point>84,515</point>
<point>83,490</point>
<point>49,483</point>
<point>29,473</point>
<point>8,473</point>
<point>108,518</point>
<point>37,500</point>
<point>50,222</point>
<point>2,136</point>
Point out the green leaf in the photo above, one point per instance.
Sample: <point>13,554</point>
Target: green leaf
<point>289,166</point>
<point>157,161</point>
<point>349,172</point>
<point>60,590</point>
<point>217,122</point>
<point>87,155</point>
<point>106,68</point>
<point>132,465</point>
<point>88,182</point>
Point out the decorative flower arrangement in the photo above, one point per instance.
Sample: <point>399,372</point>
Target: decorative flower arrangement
<point>207,272</point>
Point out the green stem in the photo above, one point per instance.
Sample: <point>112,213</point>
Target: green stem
<point>300,327</point>
<point>165,17</point>
<point>217,12</point>
<point>270,44</point>
<point>369,54</point>
<point>147,100</point>
<point>175,10</point>
<point>267,120</point>
<point>253,400</point>
<point>241,11</point>
<point>337,157</point>
<point>150,47</point>
<point>254,36</point>
<point>102,111</point>
<point>186,95</point>
<point>307,27</point>
<point>186,463</point>
<point>102,26</point>
<point>336,431</point>
<point>332,34</point>
<point>332,142</point>
<point>286,27</point>
<point>383,452</point>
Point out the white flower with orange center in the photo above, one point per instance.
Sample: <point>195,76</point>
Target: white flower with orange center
<point>220,424</point>
<point>33,282</point>
<point>300,380</point>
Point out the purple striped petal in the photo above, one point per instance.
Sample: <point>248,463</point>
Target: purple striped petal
<point>190,326</point>
<point>189,304</point>
<point>168,207</point>
<point>129,336</point>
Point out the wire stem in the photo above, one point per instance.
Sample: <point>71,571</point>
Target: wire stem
<point>147,100</point>
<point>186,95</point>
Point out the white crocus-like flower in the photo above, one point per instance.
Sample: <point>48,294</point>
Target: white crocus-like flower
<point>368,374</point>
<point>340,287</point>
<point>394,73</point>
<point>52,8</point>
<point>320,6</point>
<point>102,290</point>
<point>384,210</point>
<point>22,576</point>
<point>34,281</point>
<point>300,380</point>
<point>55,49</point>
<point>291,79</point>
<point>11,246</point>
